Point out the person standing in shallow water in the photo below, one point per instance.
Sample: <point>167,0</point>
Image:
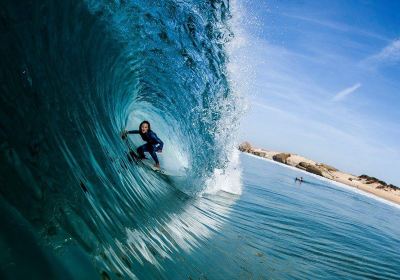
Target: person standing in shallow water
<point>153,143</point>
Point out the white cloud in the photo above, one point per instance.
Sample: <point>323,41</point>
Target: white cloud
<point>347,91</point>
<point>389,54</point>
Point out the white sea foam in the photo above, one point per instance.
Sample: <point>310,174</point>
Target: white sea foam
<point>228,179</point>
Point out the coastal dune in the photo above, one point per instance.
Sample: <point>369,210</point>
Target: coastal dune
<point>363,182</point>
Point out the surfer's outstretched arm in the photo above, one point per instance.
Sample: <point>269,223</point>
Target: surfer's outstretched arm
<point>125,133</point>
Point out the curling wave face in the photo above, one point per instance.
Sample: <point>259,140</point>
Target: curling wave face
<point>73,75</point>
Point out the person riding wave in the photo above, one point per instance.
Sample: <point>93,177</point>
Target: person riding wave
<point>153,143</point>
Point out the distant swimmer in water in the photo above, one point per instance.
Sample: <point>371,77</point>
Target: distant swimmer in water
<point>153,143</point>
<point>299,179</point>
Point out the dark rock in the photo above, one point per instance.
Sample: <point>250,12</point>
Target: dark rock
<point>302,165</point>
<point>245,147</point>
<point>260,154</point>
<point>327,167</point>
<point>369,178</point>
<point>282,157</point>
<point>382,184</point>
<point>314,169</point>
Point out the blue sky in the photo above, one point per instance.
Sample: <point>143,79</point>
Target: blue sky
<point>323,81</point>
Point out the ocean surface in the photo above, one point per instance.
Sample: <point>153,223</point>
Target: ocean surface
<point>73,75</point>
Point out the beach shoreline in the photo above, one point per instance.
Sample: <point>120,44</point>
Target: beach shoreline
<point>363,183</point>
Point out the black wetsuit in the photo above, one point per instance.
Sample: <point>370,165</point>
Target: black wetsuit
<point>153,145</point>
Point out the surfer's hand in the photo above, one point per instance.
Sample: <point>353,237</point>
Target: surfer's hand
<point>159,151</point>
<point>123,134</point>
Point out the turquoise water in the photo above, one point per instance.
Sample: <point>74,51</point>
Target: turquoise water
<point>74,74</point>
<point>278,229</point>
<point>315,230</point>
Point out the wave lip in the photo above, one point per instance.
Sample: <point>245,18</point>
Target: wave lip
<point>74,74</point>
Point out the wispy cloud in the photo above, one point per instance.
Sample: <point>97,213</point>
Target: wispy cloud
<point>338,26</point>
<point>389,54</point>
<point>290,84</point>
<point>345,92</point>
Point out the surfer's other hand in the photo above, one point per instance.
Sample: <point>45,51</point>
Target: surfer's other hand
<point>123,134</point>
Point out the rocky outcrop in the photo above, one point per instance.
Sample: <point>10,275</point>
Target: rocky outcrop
<point>372,180</point>
<point>382,185</point>
<point>393,187</point>
<point>245,147</point>
<point>302,165</point>
<point>327,167</point>
<point>320,169</point>
<point>315,170</point>
<point>282,157</point>
<point>260,154</point>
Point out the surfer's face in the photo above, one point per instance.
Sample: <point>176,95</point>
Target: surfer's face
<point>144,128</point>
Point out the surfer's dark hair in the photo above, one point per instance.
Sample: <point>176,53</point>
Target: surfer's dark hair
<point>140,126</point>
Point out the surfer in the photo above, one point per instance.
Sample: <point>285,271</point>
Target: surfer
<point>153,143</point>
<point>299,179</point>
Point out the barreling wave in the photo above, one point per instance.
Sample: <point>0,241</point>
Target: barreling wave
<point>73,75</point>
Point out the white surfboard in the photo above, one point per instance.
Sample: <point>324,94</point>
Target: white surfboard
<point>150,164</point>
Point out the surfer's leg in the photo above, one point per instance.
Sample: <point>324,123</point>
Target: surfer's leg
<point>141,151</point>
<point>153,154</point>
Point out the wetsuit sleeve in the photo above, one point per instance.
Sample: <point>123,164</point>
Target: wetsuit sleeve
<point>133,132</point>
<point>158,141</point>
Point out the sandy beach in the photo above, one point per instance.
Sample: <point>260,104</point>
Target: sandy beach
<point>363,182</point>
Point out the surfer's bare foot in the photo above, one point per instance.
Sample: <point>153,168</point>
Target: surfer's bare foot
<point>157,165</point>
